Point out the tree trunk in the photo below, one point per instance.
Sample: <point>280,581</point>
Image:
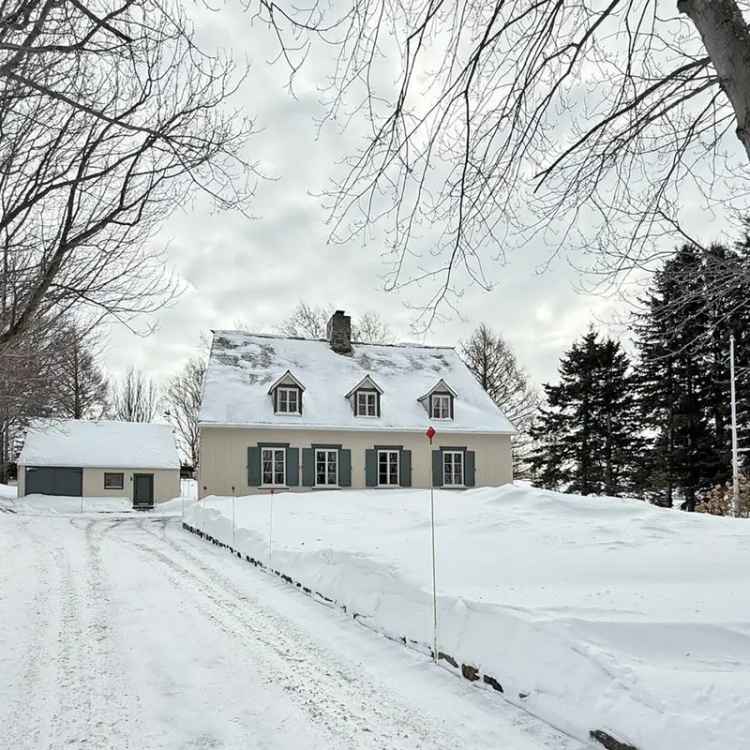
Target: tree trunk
<point>727,40</point>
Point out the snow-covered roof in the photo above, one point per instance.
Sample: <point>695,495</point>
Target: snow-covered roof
<point>242,367</point>
<point>366,384</point>
<point>107,445</point>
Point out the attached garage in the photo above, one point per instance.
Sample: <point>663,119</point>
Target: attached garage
<point>75,458</point>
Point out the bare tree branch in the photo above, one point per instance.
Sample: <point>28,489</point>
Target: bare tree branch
<point>578,123</point>
<point>110,118</point>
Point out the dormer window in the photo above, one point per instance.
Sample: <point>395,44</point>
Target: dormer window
<point>367,404</point>
<point>365,398</point>
<point>286,394</point>
<point>439,401</point>
<point>441,406</point>
<point>287,400</point>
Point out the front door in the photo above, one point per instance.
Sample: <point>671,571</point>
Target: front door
<point>143,490</point>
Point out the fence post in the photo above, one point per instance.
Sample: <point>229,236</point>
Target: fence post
<point>234,518</point>
<point>270,529</point>
<point>430,434</point>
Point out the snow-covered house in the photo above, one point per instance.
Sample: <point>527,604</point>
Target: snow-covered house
<point>74,458</point>
<point>291,413</point>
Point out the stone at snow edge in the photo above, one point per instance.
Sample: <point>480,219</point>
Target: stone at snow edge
<point>608,741</point>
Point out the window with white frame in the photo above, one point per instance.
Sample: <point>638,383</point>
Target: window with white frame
<point>367,404</point>
<point>326,467</point>
<point>441,406</point>
<point>453,468</point>
<point>273,464</point>
<point>388,468</point>
<point>287,400</point>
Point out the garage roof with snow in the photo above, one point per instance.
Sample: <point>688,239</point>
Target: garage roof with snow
<point>107,445</point>
<point>243,366</point>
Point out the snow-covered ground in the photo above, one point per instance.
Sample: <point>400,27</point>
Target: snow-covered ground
<point>48,504</point>
<point>606,614</point>
<point>8,491</point>
<point>124,631</point>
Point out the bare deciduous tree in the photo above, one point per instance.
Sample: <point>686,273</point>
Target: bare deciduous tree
<point>581,122</point>
<point>183,401</point>
<point>81,388</point>
<point>494,365</point>
<point>371,329</point>
<point>307,321</point>
<point>135,398</point>
<point>28,387</point>
<point>310,322</point>
<point>111,116</point>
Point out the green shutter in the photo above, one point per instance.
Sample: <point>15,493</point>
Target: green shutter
<point>253,467</point>
<point>292,467</point>
<point>371,467</point>
<point>437,468</point>
<point>469,468</point>
<point>345,467</point>
<point>404,474</point>
<point>308,467</point>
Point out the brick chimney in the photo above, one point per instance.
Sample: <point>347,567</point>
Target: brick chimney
<point>339,332</point>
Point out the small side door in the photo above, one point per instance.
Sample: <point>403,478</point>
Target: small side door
<point>143,490</point>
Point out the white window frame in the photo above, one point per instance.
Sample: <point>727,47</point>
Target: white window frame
<point>328,452</point>
<point>275,452</point>
<point>287,390</point>
<point>397,453</point>
<point>370,398</point>
<point>453,454</point>
<point>440,398</point>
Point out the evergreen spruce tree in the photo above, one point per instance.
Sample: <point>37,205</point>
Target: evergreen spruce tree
<point>587,435</point>
<point>695,301</point>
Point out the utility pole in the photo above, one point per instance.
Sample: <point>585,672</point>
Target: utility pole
<point>735,461</point>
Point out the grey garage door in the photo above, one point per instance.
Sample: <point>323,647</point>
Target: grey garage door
<point>48,480</point>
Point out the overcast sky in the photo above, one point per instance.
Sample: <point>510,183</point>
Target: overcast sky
<point>255,271</point>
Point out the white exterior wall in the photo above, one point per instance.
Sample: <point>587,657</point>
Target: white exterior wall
<point>223,455</point>
<point>166,483</point>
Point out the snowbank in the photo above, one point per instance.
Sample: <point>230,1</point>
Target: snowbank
<point>65,506</point>
<point>593,613</point>
<point>8,491</point>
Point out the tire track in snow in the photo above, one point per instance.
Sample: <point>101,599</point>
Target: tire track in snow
<point>118,706</point>
<point>355,715</point>
<point>288,637</point>
<point>91,708</point>
<point>26,721</point>
<point>547,734</point>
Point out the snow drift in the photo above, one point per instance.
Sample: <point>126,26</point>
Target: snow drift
<point>593,613</point>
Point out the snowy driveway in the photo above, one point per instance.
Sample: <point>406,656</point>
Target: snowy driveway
<point>124,631</point>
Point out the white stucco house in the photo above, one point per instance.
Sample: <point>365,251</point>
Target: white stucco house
<point>74,458</point>
<point>287,413</point>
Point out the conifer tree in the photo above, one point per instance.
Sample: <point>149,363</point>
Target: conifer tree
<point>587,436</point>
<point>683,370</point>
